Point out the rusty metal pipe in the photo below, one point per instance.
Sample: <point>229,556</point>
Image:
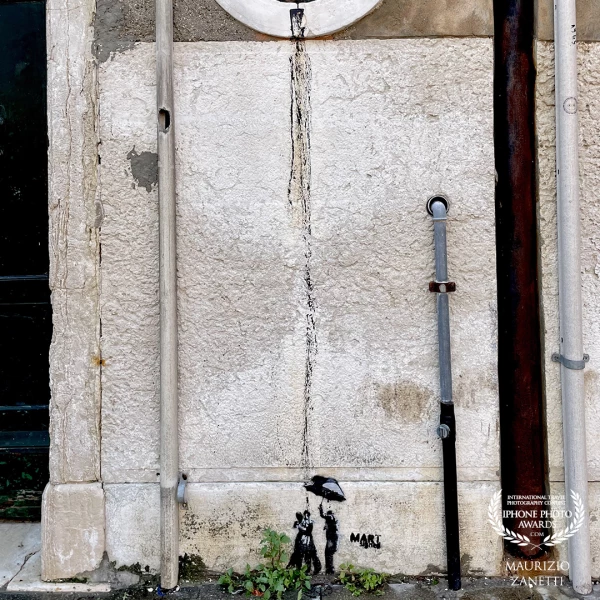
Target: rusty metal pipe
<point>522,432</point>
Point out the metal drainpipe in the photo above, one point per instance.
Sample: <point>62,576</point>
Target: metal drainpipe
<point>438,209</point>
<point>571,354</point>
<point>522,420</point>
<point>169,442</point>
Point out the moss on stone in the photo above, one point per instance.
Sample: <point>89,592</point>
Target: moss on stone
<point>191,567</point>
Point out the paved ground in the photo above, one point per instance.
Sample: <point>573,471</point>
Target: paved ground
<point>475,589</point>
<point>20,579</point>
<point>18,541</point>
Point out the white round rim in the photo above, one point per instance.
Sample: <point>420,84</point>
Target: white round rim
<point>323,17</point>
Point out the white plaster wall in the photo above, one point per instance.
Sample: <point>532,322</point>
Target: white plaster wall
<point>545,125</point>
<point>133,524</point>
<point>393,122</point>
<point>129,296</point>
<point>589,154</point>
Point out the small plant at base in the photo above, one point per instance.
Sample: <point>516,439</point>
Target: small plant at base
<point>358,581</point>
<point>273,578</point>
<point>230,580</point>
<point>272,548</point>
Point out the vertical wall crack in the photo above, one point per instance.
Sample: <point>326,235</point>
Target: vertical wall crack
<point>299,199</point>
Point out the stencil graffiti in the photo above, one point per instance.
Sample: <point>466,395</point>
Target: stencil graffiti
<point>326,487</point>
<point>305,550</point>
<point>366,540</point>
<point>332,537</point>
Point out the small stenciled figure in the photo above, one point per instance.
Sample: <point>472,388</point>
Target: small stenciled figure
<point>305,551</point>
<point>332,536</point>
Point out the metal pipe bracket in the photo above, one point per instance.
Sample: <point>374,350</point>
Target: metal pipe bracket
<point>442,287</point>
<point>181,490</point>
<point>574,365</point>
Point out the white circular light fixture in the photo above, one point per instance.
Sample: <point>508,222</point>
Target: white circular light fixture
<point>322,17</point>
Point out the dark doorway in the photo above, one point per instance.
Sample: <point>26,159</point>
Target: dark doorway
<point>25,312</point>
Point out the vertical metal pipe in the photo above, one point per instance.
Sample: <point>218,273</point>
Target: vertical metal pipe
<point>438,208</point>
<point>569,273</point>
<point>443,308</point>
<point>169,443</point>
<point>522,432</point>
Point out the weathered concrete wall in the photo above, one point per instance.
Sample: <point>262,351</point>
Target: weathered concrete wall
<point>73,505</point>
<point>75,218</point>
<point>263,398</point>
<point>223,524</point>
<point>589,116</point>
<point>73,529</point>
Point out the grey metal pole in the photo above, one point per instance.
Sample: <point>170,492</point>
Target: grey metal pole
<point>570,304</point>
<point>169,442</point>
<point>438,208</point>
<point>443,308</point>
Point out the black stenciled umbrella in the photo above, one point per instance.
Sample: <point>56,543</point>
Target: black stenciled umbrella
<point>327,487</point>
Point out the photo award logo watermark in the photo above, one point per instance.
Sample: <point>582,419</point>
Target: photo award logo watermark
<point>544,521</point>
<point>536,512</point>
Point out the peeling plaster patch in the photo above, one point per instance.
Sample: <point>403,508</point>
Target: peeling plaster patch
<point>107,49</point>
<point>110,21</point>
<point>144,168</point>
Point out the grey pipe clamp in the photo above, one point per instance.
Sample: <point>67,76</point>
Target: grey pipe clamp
<point>574,365</point>
<point>181,490</point>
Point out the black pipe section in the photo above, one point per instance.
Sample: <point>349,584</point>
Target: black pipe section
<point>451,495</point>
<point>522,439</point>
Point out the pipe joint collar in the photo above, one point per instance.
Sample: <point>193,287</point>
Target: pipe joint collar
<point>437,198</point>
